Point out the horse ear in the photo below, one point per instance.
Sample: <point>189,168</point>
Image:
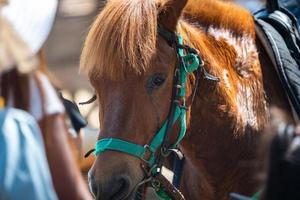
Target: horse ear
<point>169,12</point>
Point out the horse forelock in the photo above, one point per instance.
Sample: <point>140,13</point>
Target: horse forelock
<point>122,39</point>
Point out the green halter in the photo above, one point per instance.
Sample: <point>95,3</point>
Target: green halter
<point>191,63</point>
<point>188,61</point>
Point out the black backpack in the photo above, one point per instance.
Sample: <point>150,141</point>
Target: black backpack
<point>278,30</point>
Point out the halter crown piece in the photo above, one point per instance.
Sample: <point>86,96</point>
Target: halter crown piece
<point>187,62</point>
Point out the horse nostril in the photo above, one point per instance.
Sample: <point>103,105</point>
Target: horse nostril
<point>118,188</point>
<point>121,188</point>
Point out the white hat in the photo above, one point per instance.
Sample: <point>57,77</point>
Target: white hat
<point>31,21</point>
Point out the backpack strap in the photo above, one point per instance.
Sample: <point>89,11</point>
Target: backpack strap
<point>272,5</point>
<point>283,60</point>
<point>288,29</point>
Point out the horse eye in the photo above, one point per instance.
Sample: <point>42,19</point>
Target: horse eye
<point>156,81</point>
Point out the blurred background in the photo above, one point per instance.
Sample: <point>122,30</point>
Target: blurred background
<point>62,51</point>
<point>63,48</point>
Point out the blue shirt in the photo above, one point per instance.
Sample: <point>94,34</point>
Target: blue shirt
<point>24,171</point>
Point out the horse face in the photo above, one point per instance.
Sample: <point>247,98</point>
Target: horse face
<point>132,109</point>
<point>135,104</point>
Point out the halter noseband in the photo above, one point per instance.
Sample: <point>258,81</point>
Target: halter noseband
<point>153,154</point>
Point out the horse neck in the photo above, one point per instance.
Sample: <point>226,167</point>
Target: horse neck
<point>221,143</point>
<point>217,161</point>
<point>220,151</point>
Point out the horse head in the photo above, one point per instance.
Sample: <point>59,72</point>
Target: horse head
<point>145,77</point>
<point>133,78</point>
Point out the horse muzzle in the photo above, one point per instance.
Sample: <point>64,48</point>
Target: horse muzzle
<point>114,176</point>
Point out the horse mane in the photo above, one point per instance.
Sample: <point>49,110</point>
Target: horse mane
<point>221,15</point>
<point>228,40</point>
<point>122,39</point>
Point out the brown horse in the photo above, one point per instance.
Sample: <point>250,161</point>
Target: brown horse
<point>132,67</point>
<point>18,92</point>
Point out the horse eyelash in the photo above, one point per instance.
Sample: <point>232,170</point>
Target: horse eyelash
<point>91,100</point>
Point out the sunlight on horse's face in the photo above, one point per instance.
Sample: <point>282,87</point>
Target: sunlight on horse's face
<point>132,109</point>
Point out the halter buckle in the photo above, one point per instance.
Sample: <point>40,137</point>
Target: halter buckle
<point>178,153</point>
<point>178,86</point>
<point>181,104</point>
<point>165,152</point>
<point>155,184</point>
<point>148,153</point>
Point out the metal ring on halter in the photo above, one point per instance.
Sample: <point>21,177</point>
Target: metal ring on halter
<point>155,184</point>
<point>178,153</point>
<point>146,146</point>
<point>165,152</point>
<point>148,149</point>
<point>176,72</point>
<point>208,76</point>
<point>178,86</point>
<point>152,168</point>
<point>183,107</point>
<point>180,104</point>
<point>201,64</point>
<point>147,172</point>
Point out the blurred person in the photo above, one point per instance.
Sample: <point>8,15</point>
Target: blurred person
<point>24,27</point>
